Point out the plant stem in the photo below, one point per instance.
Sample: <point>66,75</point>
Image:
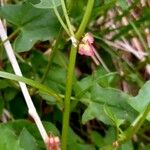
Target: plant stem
<point>85,19</point>
<point>69,4</point>
<point>67,97</point>
<point>134,127</point>
<point>52,54</point>
<point>70,74</point>
<point>67,18</point>
<point>140,37</point>
<point>61,21</point>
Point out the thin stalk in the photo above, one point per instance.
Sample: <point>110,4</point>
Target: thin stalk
<point>61,21</point>
<point>51,57</point>
<point>20,58</point>
<point>69,4</point>
<point>9,38</point>
<point>140,37</point>
<point>70,74</point>
<point>134,127</point>
<point>67,18</point>
<point>101,61</point>
<point>85,19</point>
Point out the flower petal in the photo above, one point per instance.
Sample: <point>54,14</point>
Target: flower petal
<point>86,49</point>
<point>88,38</point>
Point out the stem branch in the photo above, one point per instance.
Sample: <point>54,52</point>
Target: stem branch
<point>67,18</point>
<point>134,127</point>
<point>61,21</point>
<point>70,74</point>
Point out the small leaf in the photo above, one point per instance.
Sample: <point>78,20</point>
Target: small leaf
<point>115,100</point>
<point>45,4</point>
<point>123,4</point>
<point>97,139</point>
<point>27,141</point>
<point>8,139</point>
<point>20,124</point>
<point>127,146</point>
<point>140,102</point>
<point>10,93</point>
<point>117,122</point>
<point>32,23</point>
<point>76,143</point>
<point>4,84</point>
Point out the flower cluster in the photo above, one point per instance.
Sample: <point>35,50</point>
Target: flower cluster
<point>86,47</point>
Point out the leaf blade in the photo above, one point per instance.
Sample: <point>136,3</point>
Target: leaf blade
<point>48,4</point>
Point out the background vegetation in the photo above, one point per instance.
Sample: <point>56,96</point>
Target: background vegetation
<point>108,100</point>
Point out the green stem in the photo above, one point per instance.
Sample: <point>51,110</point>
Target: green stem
<point>66,112</point>
<point>69,3</point>
<point>67,18</point>
<point>134,127</point>
<point>85,19</point>
<point>70,74</point>
<point>20,58</point>
<point>54,50</point>
<point>61,21</point>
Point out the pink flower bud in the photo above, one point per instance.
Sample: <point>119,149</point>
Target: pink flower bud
<point>88,38</point>
<point>86,49</point>
<point>53,143</point>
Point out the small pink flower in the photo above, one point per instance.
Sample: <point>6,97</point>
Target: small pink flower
<point>86,49</point>
<point>53,143</point>
<point>88,38</point>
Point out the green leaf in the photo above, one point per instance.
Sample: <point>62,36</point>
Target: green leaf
<point>56,79</point>
<point>115,100</point>
<point>45,4</point>
<point>18,127</point>
<point>27,141</point>
<point>76,143</point>
<point>8,140</point>
<point>20,124</point>
<point>147,147</point>
<point>100,76</point>
<point>110,136</point>
<point>14,109</point>
<point>49,99</point>
<point>33,24</point>
<point>97,139</point>
<point>123,4</point>
<point>127,146</point>
<point>81,87</point>
<point>103,78</point>
<point>140,102</point>
<point>117,122</point>
<point>4,84</point>
<point>10,93</point>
